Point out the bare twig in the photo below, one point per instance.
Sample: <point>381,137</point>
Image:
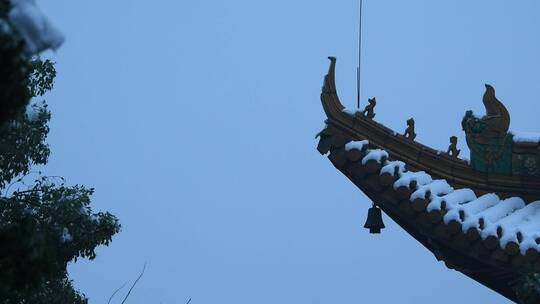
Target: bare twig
<point>134,283</point>
<point>115,292</point>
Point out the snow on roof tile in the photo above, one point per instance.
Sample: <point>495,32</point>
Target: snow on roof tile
<point>525,136</point>
<point>356,145</point>
<point>473,207</point>
<point>436,187</point>
<point>422,178</point>
<point>375,154</point>
<point>508,224</point>
<point>452,199</point>
<point>530,231</point>
<point>391,165</point>
<point>494,213</point>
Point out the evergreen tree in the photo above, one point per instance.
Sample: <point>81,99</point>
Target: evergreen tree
<point>44,223</point>
<point>14,70</point>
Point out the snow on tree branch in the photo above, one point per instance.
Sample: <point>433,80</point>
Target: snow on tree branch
<point>35,28</point>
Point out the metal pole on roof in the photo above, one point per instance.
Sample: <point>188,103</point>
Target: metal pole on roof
<point>359,58</point>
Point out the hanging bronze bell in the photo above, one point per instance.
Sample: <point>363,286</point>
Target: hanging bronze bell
<point>374,220</point>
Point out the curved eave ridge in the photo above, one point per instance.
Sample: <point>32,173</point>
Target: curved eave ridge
<point>485,225</point>
<point>508,230</point>
<point>355,124</point>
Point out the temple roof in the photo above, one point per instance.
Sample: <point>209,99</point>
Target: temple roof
<point>485,225</point>
<point>489,239</point>
<point>513,225</point>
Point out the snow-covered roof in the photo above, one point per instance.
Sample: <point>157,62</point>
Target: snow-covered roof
<point>508,220</point>
<point>526,136</point>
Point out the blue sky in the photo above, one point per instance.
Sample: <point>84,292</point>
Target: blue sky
<point>195,122</point>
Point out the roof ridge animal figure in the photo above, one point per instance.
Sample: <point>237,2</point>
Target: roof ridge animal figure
<point>369,110</point>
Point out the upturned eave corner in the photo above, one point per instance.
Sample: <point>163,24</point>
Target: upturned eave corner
<point>329,98</point>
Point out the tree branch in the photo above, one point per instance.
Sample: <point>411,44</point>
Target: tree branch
<point>134,283</point>
<point>115,292</point>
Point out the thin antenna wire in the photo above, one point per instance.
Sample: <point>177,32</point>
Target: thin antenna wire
<point>359,58</point>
